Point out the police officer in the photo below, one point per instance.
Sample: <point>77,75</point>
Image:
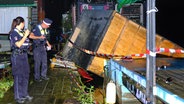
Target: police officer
<point>40,44</point>
<point>19,59</point>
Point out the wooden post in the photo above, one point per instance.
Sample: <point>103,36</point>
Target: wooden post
<point>41,10</point>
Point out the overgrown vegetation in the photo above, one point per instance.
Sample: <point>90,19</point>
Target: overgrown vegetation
<point>5,84</point>
<point>67,22</point>
<point>85,94</point>
<point>6,79</point>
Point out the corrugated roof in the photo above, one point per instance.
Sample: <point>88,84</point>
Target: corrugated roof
<point>14,3</point>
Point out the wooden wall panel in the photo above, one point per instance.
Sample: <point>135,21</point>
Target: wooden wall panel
<point>127,39</point>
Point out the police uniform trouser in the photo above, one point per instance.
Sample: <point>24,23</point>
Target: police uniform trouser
<point>20,86</point>
<point>40,61</point>
<point>20,71</point>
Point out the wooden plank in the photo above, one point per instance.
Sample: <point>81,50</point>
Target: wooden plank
<point>74,36</point>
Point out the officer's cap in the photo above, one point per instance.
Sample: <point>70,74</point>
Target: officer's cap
<point>47,21</point>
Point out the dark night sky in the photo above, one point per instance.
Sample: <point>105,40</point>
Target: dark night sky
<point>55,8</point>
<point>169,18</point>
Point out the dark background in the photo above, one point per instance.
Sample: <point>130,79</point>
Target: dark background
<point>54,10</point>
<point>169,18</point>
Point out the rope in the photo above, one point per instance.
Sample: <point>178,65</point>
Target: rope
<point>71,75</point>
<point>152,10</point>
<point>74,79</point>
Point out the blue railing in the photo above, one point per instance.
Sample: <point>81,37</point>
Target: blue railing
<point>116,71</point>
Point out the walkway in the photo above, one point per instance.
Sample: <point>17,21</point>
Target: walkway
<point>57,90</point>
<point>60,89</point>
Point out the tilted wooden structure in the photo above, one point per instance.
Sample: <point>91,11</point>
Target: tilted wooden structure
<point>109,32</point>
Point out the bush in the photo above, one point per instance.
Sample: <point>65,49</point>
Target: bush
<point>5,84</point>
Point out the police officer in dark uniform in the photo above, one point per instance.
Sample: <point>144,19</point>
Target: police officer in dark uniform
<point>19,59</point>
<point>40,45</point>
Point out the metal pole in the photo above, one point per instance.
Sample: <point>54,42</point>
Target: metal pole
<point>150,45</point>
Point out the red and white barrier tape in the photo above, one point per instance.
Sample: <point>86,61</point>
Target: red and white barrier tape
<point>169,50</point>
<point>158,50</point>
